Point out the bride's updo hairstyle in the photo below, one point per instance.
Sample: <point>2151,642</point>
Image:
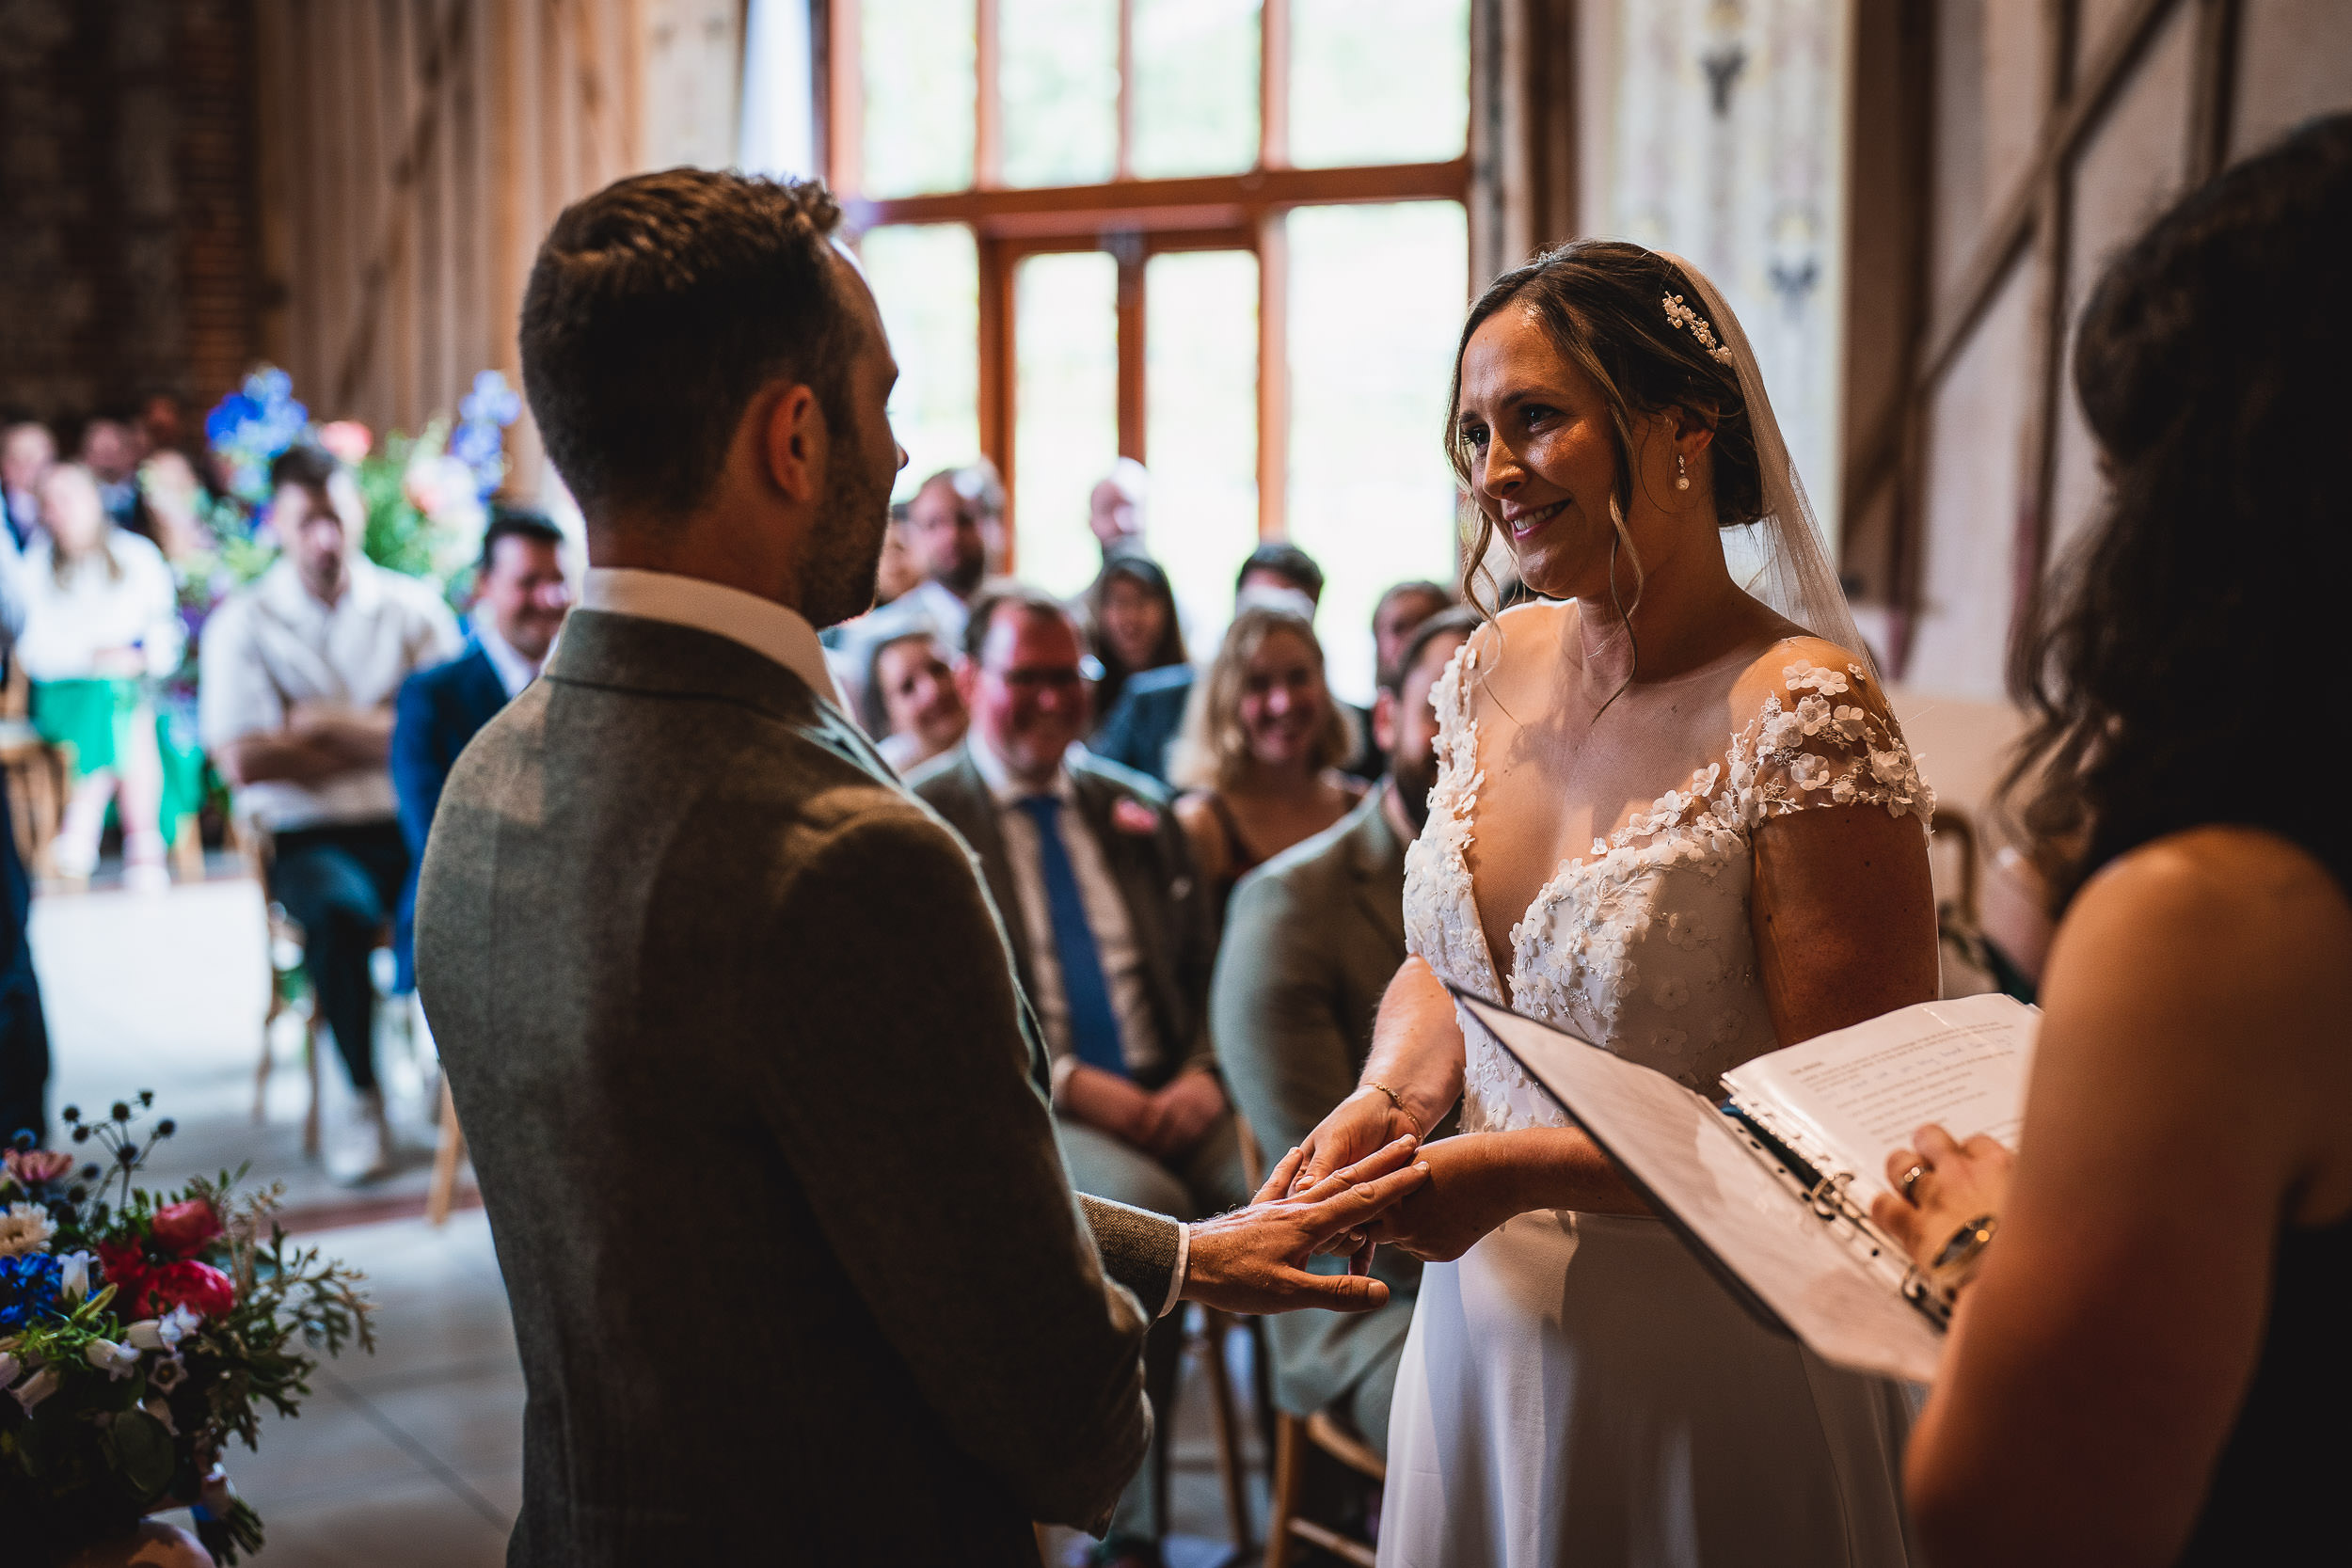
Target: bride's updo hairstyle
<point>2195,637</point>
<point>1602,303</point>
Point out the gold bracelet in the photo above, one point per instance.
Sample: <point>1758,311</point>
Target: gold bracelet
<point>1396,1101</point>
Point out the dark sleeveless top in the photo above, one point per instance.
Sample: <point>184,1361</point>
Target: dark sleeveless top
<point>2278,1491</point>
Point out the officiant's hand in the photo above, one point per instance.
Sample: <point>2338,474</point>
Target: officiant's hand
<point>1253,1259</point>
<point>1956,1185</point>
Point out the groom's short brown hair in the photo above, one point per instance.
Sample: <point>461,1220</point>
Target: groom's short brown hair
<point>657,308</point>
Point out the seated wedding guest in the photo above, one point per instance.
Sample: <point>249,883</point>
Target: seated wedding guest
<point>1112,941</point>
<point>24,1030</point>
<point>172,492</point>
<point>1261,751</point>
<point>1131,623</point>
<point>2150,1363</point>
<point>96,621</point>
<point>521,599</point>
<point>899,572</point>
<point>1115,508</point>
<point>297,672</point>
<point>1315,936</point>
<point>956,526</point>
<point>1395,617</point>
<point>912,700</point>
<point>667,912</point>
<point>1141,728</point>
<point>110,449</point>
<point>27,451</point>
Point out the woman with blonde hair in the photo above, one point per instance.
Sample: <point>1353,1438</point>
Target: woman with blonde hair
<point>1261,749</point>
<point>96,617</point>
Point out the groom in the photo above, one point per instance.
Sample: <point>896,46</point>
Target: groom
<point>795,1269</point>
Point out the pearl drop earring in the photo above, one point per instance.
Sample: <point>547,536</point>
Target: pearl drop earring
<point>1682,477</point>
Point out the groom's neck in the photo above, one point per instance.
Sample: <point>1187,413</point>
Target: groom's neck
<point>711,544</point>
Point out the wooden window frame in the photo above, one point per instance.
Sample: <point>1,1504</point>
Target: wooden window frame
<point>1133,219</point>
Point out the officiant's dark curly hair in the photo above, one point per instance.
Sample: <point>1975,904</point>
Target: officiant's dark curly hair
<point>2197,634</point>
<point>657,308</point>
<point>1599,301</point>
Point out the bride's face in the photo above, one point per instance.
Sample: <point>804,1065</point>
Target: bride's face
<point>1542,454</point>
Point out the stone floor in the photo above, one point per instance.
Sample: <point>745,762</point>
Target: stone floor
<point>410,1458</point>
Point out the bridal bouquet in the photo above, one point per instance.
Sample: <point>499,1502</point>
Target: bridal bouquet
<point>138,1332</point>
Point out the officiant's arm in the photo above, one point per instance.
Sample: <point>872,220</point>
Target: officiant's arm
<point>1844,918</point>
<point>928,1159</point>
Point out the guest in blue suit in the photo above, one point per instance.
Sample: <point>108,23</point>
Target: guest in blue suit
<point>520,597</point>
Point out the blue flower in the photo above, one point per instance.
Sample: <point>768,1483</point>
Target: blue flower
<point>491,401</point>
<point>28,1289</point>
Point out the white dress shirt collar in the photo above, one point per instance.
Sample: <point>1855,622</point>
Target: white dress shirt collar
<point>514,671</point>
<point>767,628</point>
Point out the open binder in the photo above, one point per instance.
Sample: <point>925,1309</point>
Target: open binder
<point>1772,1190</point>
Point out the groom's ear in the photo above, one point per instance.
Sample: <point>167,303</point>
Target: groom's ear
<point>790,436</point>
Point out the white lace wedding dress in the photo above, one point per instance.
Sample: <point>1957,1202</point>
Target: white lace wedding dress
<point>1577,1388</point>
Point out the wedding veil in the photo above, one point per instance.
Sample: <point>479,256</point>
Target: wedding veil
<point>1796,576</point>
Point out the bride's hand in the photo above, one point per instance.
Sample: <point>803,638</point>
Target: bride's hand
<point>1474,1186</point>
<point>1363,1122</point>
<point>1416,1062</point>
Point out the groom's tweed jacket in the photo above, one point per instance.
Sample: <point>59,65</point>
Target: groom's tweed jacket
<point>795,1270</point>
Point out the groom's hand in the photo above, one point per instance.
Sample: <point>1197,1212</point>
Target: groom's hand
<point>1253,1259</point>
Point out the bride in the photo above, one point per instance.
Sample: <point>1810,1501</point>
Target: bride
<point>1677,819</point>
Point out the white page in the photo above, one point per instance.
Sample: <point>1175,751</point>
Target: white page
<point>1727,1203</point>
<point>1858,1094</point>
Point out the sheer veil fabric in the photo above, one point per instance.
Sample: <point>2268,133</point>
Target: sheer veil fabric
<point>1797,578</point>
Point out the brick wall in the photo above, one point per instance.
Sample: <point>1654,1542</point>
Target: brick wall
<point>127,252</point>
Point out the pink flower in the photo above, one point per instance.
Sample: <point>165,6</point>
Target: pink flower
<point>181,1228</point>
<point>1131,815</point>
<point>347,439</point>
<point>34,1166</point>
<point>200,1288</point>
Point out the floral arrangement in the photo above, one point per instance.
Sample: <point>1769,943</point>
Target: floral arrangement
<point>425,493</point>
<point>138,1333</point>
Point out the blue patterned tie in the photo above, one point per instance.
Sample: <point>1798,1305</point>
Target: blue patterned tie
<point>1093,1026</point>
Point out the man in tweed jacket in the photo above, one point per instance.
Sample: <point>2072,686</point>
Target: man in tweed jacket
<point>795,1270</point>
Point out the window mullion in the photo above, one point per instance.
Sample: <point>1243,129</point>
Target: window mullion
<point>1125,164</point>
<point>1274,85</point>
<point>987,100</point>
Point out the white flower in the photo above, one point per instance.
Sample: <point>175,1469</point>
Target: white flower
<point>1849,721</point>
<point>25,1229</point>
<point>164,1333</point>
<point>73,1275</point>
<point>1783,731</point>
<point>1861,675</point>
<point>1842,790</point>
<point>116,1361</point>
<point>1802,677</point>
<point>1671,993</point>
<point>1890,768</point>
<point>37,1387</point>
<point>1807,771</point>
<point>1814,711</point>
<point>166,1374</point>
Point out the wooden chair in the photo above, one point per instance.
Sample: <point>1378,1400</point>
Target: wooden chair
<point>35,775</point>
<point>1294,1437</point>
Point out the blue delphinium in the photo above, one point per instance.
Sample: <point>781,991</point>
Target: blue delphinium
<point>479,441</point>
<point>251,426</point>
<point>28,1290</point>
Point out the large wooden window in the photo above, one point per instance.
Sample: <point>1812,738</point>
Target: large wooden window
<point>1225,238</point>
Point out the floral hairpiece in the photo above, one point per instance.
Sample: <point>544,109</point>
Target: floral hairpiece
<point>1680,315</point>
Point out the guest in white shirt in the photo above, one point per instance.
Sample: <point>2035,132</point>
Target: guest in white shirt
<point>95,616</point>
<point>520,600</point>
<point>298,674</point>
<point>1111,937</point>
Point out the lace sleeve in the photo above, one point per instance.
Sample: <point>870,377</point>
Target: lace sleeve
<point>1826,738</point>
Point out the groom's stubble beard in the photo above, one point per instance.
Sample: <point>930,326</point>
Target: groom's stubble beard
<point>844,546</point>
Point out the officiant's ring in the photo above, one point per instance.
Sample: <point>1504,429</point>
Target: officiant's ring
<point>1909,1178</point>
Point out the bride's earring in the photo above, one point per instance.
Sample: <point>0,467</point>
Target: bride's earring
<point>1683,476</point>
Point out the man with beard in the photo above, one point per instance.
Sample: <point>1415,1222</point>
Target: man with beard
<point>956,526</point>
<point>1312,940</point>
<point>758,1111</point>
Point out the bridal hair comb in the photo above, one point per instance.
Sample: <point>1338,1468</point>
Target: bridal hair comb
<point>1681,315</point>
